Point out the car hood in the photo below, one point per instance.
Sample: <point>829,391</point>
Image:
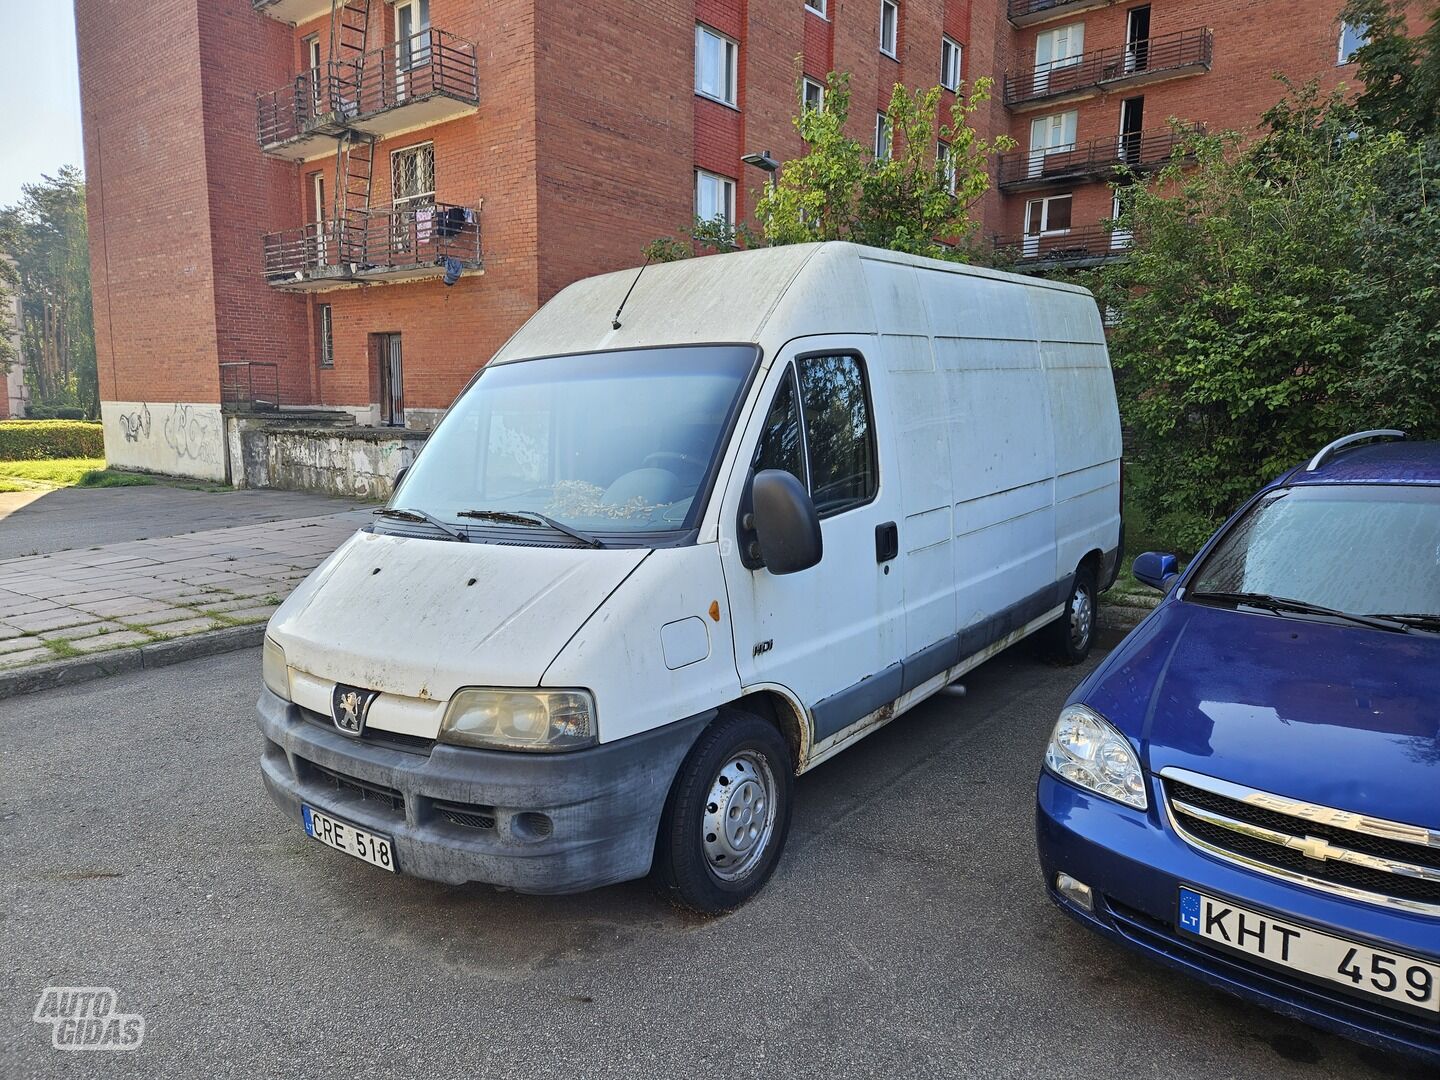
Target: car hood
<point>1343,716</point>
<point>422,618</point>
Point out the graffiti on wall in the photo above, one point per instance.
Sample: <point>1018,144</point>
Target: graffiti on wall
<point>136,424</point>
<point>192,434</point>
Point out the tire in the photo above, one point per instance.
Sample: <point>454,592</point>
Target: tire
<point>739,773</point>
<point>1072,635</point>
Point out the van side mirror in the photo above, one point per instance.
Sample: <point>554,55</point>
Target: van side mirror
<point>786,524</point>
<point>399,479</point>
<point>1156,569</point>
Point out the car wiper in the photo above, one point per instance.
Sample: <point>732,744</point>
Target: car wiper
<point>405,514</point>
<point>1425,620</point>
<point>1299,607</point>
<point>534,518</point>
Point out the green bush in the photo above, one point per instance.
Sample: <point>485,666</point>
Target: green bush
<point>52,412</point>
<point>37,440</point>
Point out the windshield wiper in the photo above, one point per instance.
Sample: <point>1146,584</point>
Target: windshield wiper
<point>533,518</point>
<point>1425,620</point>
<point>422,516</point>
<point>1281,604</point>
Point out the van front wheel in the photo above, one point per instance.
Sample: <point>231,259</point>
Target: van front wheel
<point>727,816</point>
<point>1072,634</point>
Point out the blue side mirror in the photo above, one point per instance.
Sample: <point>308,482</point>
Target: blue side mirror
<point>1156,569</point>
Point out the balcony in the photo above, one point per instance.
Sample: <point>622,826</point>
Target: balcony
<point>1033,12</point>
<point>427,79</point>
<point>374,246</point>
<point>1171,56</point>
<point>293,11</point>
<point>1089,245</point>
<point>1097,160</point>
<point>249,387</point>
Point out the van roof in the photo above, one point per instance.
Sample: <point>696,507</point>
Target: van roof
<point>727,298</point>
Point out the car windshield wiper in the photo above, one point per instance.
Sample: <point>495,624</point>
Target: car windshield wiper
<point>421,516</point>
<point>534,518</point>
<point>1425,620</point>
<point>1282,604</point>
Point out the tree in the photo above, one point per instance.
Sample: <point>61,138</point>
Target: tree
<point>1276,295</point>
<point>1400,75</point>
<point>45,236</point>
<point>909,198</point>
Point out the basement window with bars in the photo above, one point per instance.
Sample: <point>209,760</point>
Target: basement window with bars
<point>325,330</point>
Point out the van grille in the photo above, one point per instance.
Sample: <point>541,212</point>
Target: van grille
<point>466,815</point>
<point>353,785</point>
<point>411,744</point>
<point>1369,859</point>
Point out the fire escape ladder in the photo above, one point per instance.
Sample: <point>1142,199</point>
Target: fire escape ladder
<point>349,29</point>
<point>354,173</point>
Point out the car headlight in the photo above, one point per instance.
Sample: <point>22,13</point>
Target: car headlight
<point>274,670</point>
<point>1086,750</point>
<point>520,719</point>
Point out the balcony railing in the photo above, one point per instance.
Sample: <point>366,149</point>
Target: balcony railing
<point>1030,12</point>
<point>293,11</point>
<point>425,79</point>
<point>1138,62</point>
<point>1101,159</point>
<point>394,244</point>
<point>246,385</point>
<point>1087,245</point>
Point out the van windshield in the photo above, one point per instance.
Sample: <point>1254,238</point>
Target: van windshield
<point>610,442</point>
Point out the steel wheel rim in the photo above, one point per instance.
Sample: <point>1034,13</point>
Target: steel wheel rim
<point>739,817</point>
<point>1082,617</point>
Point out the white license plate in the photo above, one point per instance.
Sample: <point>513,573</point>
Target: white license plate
<point>342,836</point>
<point>1376,972</point>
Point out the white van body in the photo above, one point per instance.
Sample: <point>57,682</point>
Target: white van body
<point>991,407</point>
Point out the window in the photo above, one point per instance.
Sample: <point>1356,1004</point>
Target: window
<point>882,137</point>
<point>945,162</point>
<point>1051,135</point>
<point>326,330</point>
<point>412,176</point>
<point>716,65</point>
<point>1050,215</point>
<point>812,94</point>
<point>889,26</point>
<point>714,197</point>
<point>838,432</point>
<point>317,81</point>
<point>817,6</point>
<point>949,64</point>
<point>412,34</point>
<point>780,443</point>
<point>1352,39</point>
<point>1058,48</point>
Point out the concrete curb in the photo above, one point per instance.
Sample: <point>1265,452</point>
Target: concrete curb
<point>160,654</point>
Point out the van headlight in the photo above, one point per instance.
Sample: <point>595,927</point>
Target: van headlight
<point>274,670</point>
<point>1086,750</point>
<point>520,719</point>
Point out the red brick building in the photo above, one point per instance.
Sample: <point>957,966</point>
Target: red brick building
<point>281,189</point>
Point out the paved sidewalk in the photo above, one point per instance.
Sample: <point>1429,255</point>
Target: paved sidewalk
<point>82,602</point>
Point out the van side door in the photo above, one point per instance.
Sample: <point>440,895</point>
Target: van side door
<point>832,635</point>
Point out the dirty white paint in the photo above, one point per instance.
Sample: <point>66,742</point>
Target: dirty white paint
<point>349,462</point>
<point>176,438</point>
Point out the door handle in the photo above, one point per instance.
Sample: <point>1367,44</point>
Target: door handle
<point>887,542</point>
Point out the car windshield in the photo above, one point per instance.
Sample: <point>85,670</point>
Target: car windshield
<point>1364,549</point>
<point>610,442</point>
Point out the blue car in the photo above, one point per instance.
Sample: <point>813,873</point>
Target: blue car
<point>1248,788</point>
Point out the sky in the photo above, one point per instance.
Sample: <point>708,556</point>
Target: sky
<point>40,86</point>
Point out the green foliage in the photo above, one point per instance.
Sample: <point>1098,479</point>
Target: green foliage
<point>1276,295</point>
<point>36,440</point>
<point>44,237</point>
<point>905,200</point>
<point>1400,75</point>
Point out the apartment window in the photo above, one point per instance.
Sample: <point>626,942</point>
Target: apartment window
<point>1046,216</point>
<point>313,66</point>
<point>812,94</point>
<point>889,26</point>
<point>817,6</point>
<point>716,65</point>
<point>714,197</point>
<point>412,176</point>
<point>326,330</point>
<point>1352,39</point>
<point>945,161</point>
<point>882,137</point>
<point>1060,47</point>
<point>949,64</point>
<point>1051,135</point>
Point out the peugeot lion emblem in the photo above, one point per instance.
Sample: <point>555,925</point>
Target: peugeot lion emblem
<point>349,705</point>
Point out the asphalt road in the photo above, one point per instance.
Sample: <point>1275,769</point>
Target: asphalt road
<point>905,934</point>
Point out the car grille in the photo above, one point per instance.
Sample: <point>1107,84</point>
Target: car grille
<point>465,815</point>
<point>1365,858</point>
<point>353,785</point>
<point>412,744</point>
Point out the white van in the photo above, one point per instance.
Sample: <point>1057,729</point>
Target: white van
<point>654,565</point>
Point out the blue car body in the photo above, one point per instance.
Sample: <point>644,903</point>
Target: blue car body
<point>1319,712</point>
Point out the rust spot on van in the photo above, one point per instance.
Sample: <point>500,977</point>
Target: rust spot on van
<point>424,694</point>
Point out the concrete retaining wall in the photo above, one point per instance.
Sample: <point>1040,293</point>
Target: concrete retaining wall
<point>350,462</point>
<point>175,438</point>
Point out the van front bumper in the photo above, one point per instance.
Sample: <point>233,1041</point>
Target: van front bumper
<point>1135,867</point>
<point>538,823</point>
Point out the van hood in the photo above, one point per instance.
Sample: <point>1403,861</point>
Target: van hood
<point>1342,716</point>
<point>423,618</point>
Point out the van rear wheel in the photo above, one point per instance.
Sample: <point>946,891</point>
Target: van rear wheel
<point>727,816</point>
<point>1073,633</point>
